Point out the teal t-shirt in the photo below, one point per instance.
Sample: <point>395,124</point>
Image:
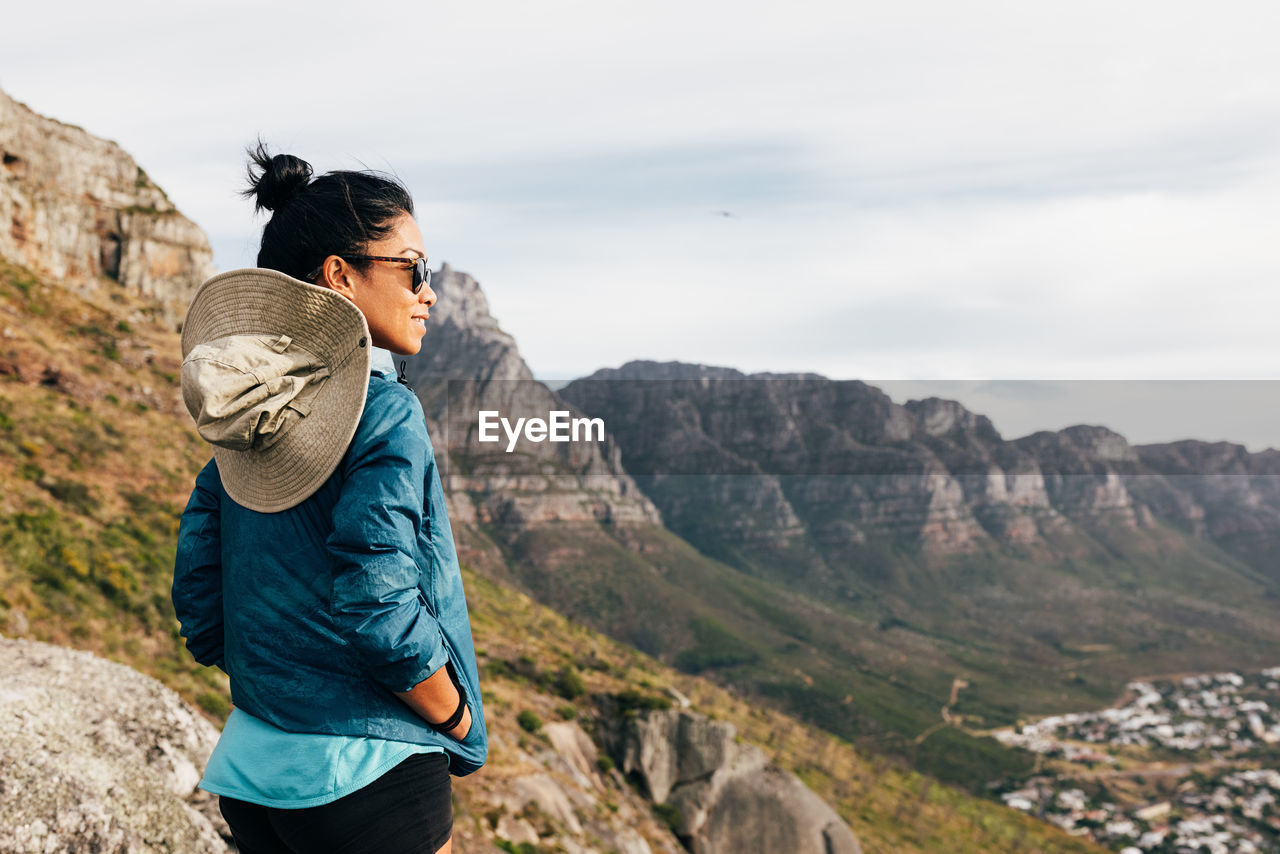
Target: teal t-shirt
<point>256,762</point>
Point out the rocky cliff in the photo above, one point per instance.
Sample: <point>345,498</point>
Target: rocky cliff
<point>878,546</point>
<point>81,210</point>
<point>837,462</point>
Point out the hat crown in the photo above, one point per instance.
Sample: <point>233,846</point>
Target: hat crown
<point>246,391</point>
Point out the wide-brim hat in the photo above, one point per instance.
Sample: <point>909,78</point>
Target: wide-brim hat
<point>275,372</point>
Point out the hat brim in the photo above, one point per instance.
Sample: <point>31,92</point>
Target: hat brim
<point>326,324</point>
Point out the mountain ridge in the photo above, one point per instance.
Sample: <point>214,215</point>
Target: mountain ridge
<point>82,211</point>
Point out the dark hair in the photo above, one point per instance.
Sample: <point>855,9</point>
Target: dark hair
<point>339,213</point>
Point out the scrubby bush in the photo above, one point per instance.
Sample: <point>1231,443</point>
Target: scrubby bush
<point>633,700</point>
<point>72,493</point>
<point>529,721</point>
<point>670,815</point>
<point>568,684</point>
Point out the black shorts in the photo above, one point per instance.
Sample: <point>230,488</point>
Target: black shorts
<point>408,809</point>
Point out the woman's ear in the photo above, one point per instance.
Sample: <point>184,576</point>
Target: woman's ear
<point>335,274</point>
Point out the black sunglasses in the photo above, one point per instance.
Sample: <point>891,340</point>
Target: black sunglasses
<point>421,272</point>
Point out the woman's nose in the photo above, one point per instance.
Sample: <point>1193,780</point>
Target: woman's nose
<point>427,296</point>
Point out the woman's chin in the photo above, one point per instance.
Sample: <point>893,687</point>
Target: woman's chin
<point>406,348</point>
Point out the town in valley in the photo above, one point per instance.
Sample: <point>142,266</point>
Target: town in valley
<point>1180,765</point>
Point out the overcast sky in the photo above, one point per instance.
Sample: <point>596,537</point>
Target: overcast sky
<point>917,190</point>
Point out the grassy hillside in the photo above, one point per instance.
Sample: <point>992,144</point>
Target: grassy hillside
<point>96,460</point>
<point>524,648</point>
<point>96,465</point>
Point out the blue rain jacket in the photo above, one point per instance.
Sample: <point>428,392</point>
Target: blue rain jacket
<point>319,612</point>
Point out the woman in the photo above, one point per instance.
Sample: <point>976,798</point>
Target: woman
<point>315,563</point>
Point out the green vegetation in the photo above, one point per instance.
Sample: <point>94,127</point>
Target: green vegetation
<point>149,210</point>
<point>568,683</point>
<point>529,721</point>
<point>86,536</point>
<point>634,700</point>
<point>519,847</point>
<point>670,815</point>
<point>717,647</point>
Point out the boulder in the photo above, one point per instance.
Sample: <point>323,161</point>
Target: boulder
<point>97,757</point>
<point>771,810</point>
<point>726,796</point>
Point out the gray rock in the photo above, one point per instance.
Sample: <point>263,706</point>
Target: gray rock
<point>516,830</point>
<point>730,799</point>
<point>674,747</point>
<point>550,798</point>
<point>578,752</point>
<point>771,810</point>
<point>99,758</point>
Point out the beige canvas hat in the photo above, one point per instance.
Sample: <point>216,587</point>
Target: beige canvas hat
<point>275,373</point>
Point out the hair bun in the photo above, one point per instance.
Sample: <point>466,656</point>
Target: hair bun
<point>275,180</point>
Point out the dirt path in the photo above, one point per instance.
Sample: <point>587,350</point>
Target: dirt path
<point>1176,771</point>
<point>956,685</point>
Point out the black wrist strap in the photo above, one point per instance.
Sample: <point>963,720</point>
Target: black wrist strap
<point>456,717</point>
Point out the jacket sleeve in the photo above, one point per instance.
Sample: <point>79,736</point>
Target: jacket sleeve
<point>377,603</point>
<point>197,571</point>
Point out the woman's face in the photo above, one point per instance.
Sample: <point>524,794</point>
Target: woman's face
<point>383,292</point>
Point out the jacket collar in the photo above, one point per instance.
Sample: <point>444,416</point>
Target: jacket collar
<point>382,363</point>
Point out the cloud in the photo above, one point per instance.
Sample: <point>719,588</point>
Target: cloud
<point>920,189</point>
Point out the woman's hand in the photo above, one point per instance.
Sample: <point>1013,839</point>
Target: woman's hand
<point>435,699</point>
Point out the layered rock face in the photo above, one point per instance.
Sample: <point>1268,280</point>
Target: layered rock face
<point>833,463</point>
<point>1218,491</point>
<point>78,208</point>
<point>808,445</point>
<point>729,798</point>
<point>97,757</point>
<point>469,363</point>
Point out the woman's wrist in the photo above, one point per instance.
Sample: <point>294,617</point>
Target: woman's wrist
<point>460,731</point>
<point>441,701</point>
<point>455,719</point>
